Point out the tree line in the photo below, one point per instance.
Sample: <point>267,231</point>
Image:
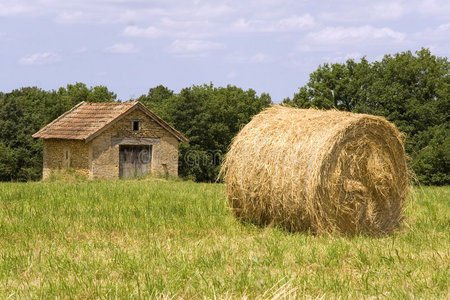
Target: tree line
<point>410,90</point>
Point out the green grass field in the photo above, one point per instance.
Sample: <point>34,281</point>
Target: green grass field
<point>178,240</point>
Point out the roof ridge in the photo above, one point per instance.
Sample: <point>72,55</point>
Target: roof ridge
<point>109,103</point>
<point>109,123</point>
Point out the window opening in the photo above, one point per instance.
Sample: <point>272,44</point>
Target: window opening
<point>135,125</point>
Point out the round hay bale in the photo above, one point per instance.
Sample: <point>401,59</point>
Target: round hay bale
<point>323,171</point>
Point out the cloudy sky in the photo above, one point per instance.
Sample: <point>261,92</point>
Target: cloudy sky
<point>267,45</point>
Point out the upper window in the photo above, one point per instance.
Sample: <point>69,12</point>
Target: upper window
<point>135,125</point>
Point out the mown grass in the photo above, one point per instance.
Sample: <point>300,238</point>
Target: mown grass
<point>131,239</point>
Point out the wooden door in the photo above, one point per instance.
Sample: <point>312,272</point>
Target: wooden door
<point>134,160</point>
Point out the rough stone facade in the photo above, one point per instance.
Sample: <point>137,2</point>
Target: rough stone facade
<point>99,158</point>
<point>60,154</point>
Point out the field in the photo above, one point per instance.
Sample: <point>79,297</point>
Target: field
<point>178,240</point>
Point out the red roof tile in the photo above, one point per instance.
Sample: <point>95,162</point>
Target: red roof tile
<point>86,120</point>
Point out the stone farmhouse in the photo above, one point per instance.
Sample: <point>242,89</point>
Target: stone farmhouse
<point>110,140</point>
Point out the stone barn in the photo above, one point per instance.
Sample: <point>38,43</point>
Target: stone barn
<point>110,140</point>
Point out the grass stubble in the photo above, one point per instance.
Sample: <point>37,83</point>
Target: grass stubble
<point>175,239</point>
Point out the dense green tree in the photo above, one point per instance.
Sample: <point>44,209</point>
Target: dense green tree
<point>209,117</point>
<point>339,86</point>
<point>100,93</point>
<point>156,100</point>
<point>73,94</point>
<point>432,161</point>
<point>18,120</point>
<point>7,163</point>
<point>412,91</point>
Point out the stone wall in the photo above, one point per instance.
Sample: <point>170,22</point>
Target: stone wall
<point>105,155</point>
<point>62,154</point>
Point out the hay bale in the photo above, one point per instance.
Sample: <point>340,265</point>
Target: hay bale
<point>324,171</point>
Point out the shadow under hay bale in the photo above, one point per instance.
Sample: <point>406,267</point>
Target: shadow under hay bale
<point>324,171</point>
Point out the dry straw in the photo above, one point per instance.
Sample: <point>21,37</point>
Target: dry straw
<point>324,171</point>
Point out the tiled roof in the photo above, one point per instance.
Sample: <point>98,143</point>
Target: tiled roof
<point>86,120</point>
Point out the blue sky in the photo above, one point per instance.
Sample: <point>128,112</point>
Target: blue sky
<point>268,45</point>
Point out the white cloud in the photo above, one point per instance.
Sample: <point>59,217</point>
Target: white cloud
<point>436,8</point>
<point>232,75</point>
<point>13,8</point>
<point>70,17</point>
<point>388,10</point>
<point>444,27</point>
<point>169,27</point>
<point>208,11</point>
<point>85,11</point>
<point>81,50</point>
<point>439,33</point>
<point>374,11</point>
<point>260,58</point>
<point>43,58</point>
<point>122,48</point>
<point>112,11</point>
<point>292,23</point>
<point>304,47</point>
<point>333,35</point>
<point>353,55</point>
<point>437,39</point>
<point>349,12</point>
<point>188,28</point>
<point>149,32</point>
<point>170,22</point>
<point>130,15</point>
<point>193,47</point>
<point>240,58</point>
<point>297,22</point>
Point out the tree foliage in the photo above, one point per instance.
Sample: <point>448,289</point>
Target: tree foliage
<point>412,91</point>
<point>209,117</point>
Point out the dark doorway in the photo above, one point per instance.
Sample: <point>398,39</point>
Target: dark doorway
<point>134,160</point>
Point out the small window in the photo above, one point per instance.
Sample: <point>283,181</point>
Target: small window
<point>135,125</point>
<point>67,154</point>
